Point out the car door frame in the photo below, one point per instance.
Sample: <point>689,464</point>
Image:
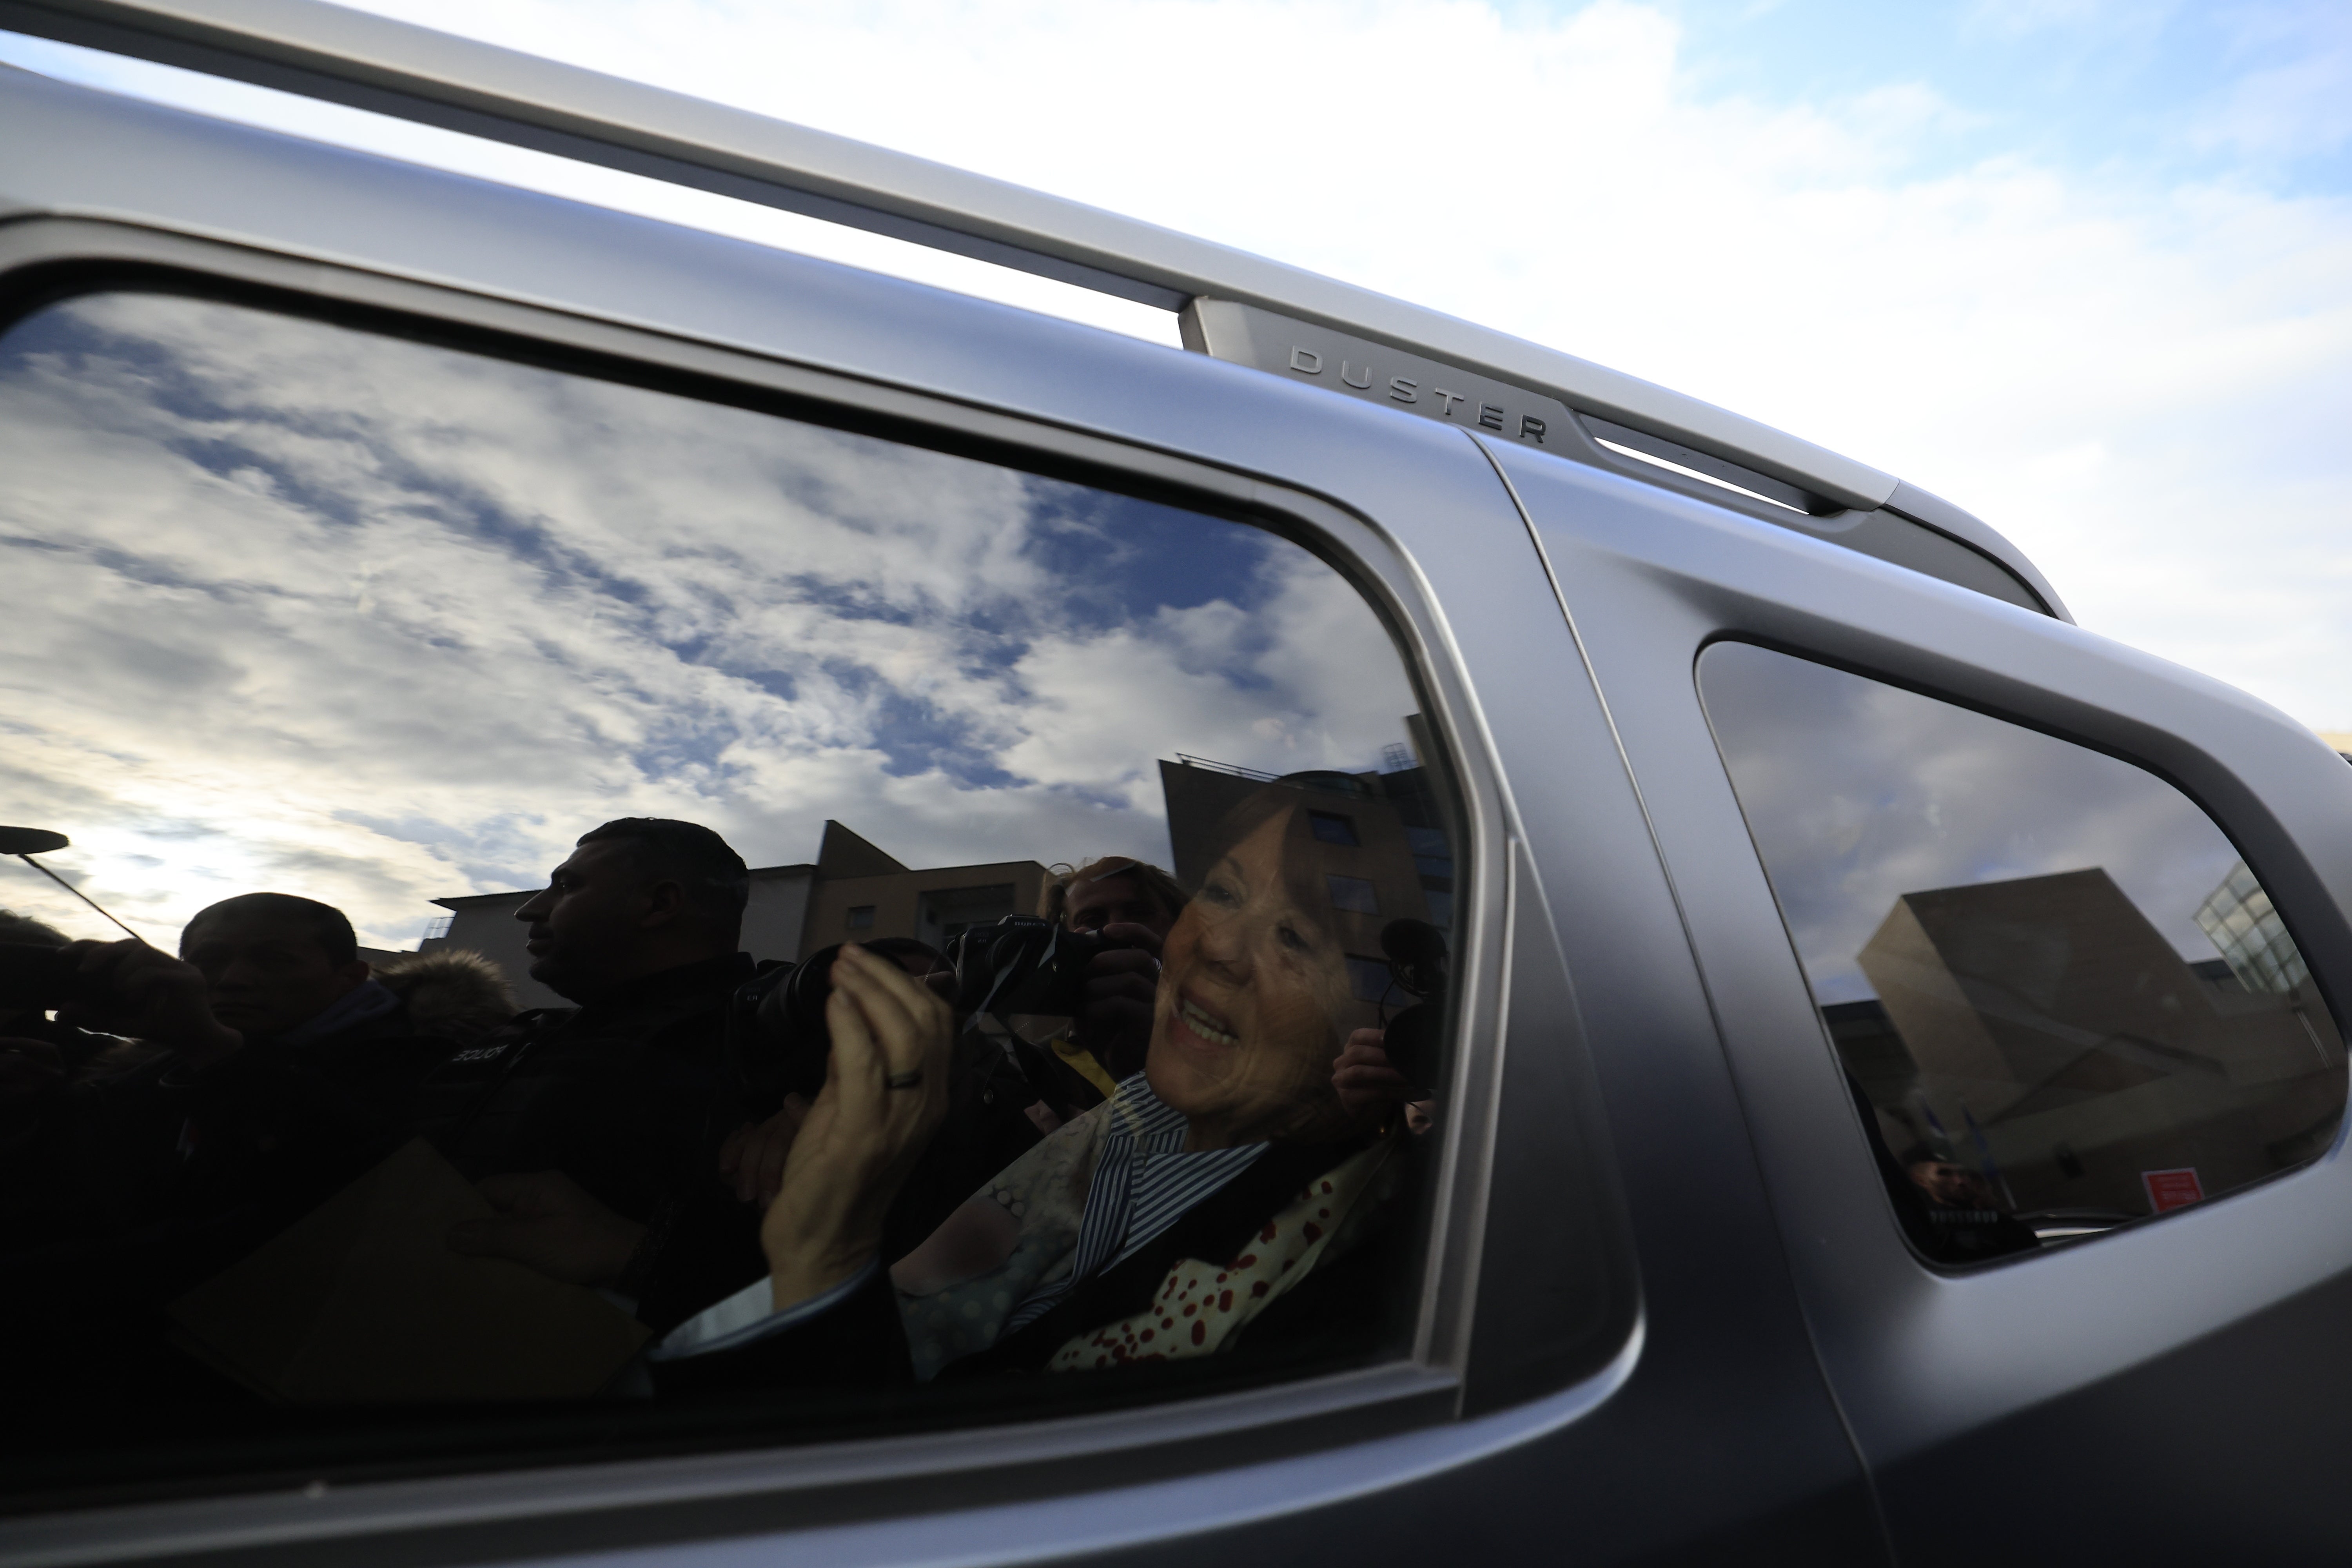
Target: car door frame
<point>1926,1363</point>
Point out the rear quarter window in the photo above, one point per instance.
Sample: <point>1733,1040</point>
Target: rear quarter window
<point>2060,998</point>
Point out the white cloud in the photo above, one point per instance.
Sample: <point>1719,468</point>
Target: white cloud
<point>376,622</point>
<point>2137,374</point>
<point>2295,108</point>
<point>1979,330</point>
<point>1858,793</point>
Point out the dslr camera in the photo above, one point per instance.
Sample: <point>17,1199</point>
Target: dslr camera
<point>1021,964</point>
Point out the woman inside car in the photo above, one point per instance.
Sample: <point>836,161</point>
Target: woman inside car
<point>1224,1191</point>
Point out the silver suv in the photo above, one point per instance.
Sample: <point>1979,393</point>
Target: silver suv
<point>781,912</point>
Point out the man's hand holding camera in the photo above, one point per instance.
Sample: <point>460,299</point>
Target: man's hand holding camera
<point>1121,989</point>
<point>752,1160</point>
<point>1369,1087</point>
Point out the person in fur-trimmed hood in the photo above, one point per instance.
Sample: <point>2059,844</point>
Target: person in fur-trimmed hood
<point>455,994</point>
<point>266,1067</point>
<point>266,1057</point>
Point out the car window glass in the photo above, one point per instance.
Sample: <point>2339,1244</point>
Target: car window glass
<point>557,816</point>
<point>2062,998</point>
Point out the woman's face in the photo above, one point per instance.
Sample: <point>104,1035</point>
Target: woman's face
<point>1250,991</point>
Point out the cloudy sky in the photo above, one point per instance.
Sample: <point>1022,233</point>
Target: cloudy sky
<point>1858,793</point>
<point>2077,265</point>
<point>296,607</point>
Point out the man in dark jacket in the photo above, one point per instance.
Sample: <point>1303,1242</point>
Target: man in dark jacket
<point>263,1069</point>
<point>624,1099</point>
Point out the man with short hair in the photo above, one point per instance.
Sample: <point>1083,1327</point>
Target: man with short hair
<point>278,1071</point>
<point>639,896</point>
<point>625,1098</point>
<point>275,965</point>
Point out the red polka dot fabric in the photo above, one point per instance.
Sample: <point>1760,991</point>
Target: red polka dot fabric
<point>1202,1307</point>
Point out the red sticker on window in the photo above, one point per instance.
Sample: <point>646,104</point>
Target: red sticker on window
<point>2172,1189</point>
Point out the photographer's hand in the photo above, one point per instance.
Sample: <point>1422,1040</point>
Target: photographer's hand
<point>1122,991</point>
<point>862,1137</point>
<point>1367,1085</point>
<point>134,989</point>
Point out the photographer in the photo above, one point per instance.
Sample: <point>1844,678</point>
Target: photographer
<point>276,1071</point>
<point>1001,1102</point>
<point>1131,905</point>
<point>1000,1106</point>
<point>37,1053</point>
<point>616,1107</point>
<point>267,1064</point>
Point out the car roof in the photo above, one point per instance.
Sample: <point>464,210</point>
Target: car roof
<point>376,63</point>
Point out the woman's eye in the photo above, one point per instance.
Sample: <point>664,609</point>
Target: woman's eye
<point>1218,893</point>
<point>1291,938</point>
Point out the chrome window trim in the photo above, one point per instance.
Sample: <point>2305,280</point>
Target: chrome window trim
<point>62,257</point>
<point>770,1489</point>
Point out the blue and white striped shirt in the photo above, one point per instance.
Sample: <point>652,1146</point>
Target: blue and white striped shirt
<point>1143,1183</point>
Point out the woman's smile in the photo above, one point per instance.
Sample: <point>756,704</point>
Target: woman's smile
<point>1202,1030</point>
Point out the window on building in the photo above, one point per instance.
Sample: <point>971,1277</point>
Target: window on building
<point>357,623</point>
<point>1333,828</point>
<point>943,914</point>
<point>1353,894</point>
<point>2062,997</point>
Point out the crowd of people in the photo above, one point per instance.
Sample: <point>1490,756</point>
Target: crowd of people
<point>1201,1156</point>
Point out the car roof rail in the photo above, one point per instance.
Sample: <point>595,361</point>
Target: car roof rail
<point>334,54</point>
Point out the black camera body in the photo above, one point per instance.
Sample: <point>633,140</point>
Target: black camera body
<point>1024,964</point>
<point>776,1035</point>
<point>777,1038</point>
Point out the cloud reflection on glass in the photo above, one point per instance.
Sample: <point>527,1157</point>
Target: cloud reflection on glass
<point>298,606</point>
<point>1858,793</point>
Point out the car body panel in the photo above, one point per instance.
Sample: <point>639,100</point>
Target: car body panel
<point>1992,1374</point>
<point>1615,1304</point>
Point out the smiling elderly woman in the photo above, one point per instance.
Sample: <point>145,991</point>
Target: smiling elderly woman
<point>1222,1188</point>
